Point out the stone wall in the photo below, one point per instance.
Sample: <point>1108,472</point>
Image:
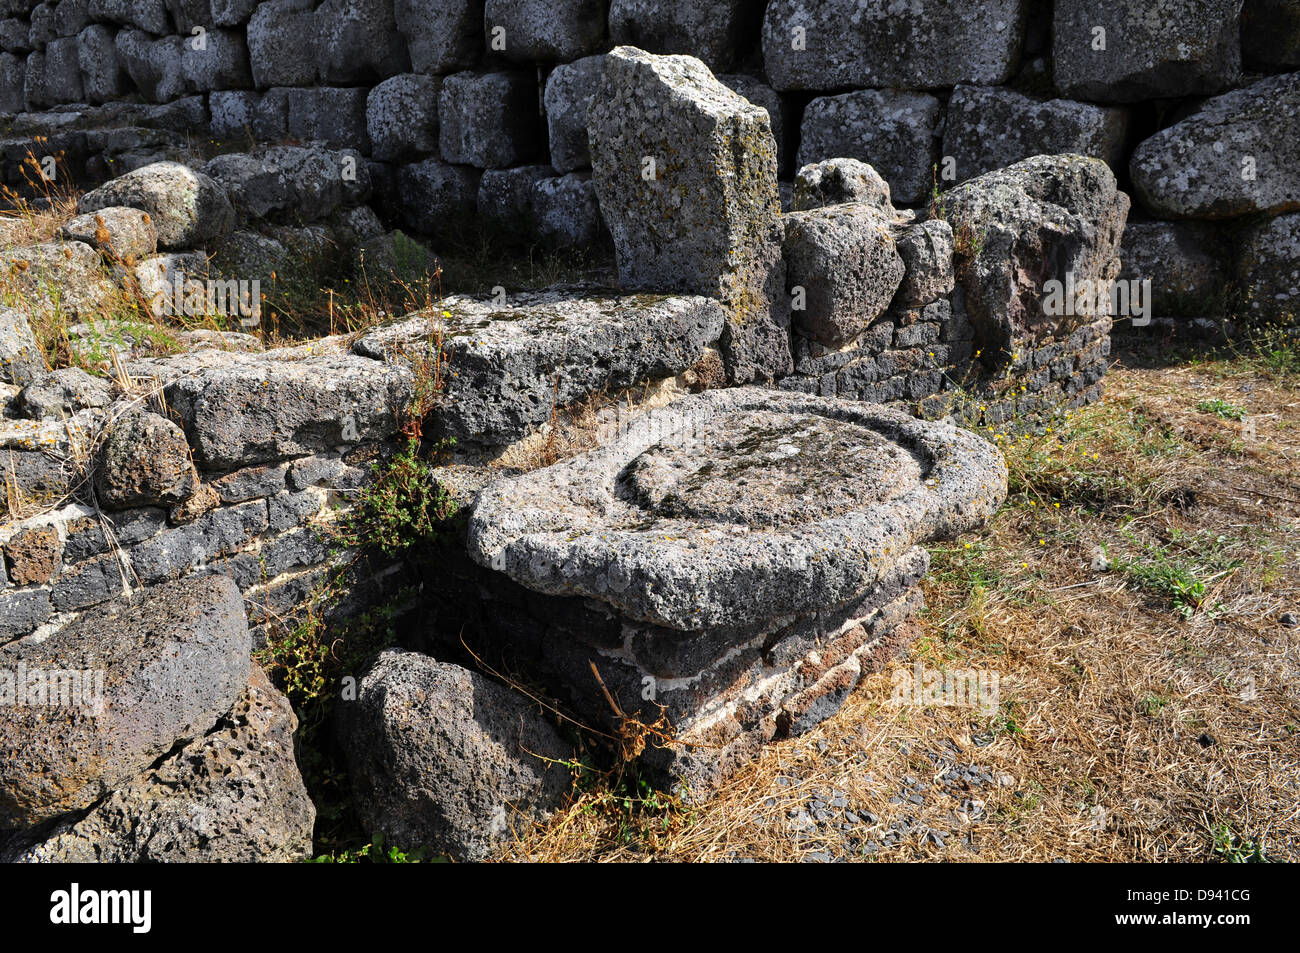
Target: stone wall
<point>475,108</point>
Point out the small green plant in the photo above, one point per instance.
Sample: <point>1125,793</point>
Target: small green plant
<point>1221,408</point>
<point>376,852</point>
<point>1232,848</point>
<point>403,505</point>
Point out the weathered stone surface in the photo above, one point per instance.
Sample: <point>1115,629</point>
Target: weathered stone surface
<point>505,362</point>
<point>926,249</point>
<point>358,41</point>
<point>394,258</point>
<point>760,94</point>
<point>896,132</point>
<point>219,62</point>
<point>332,116</point>
<point>159,670</point>
<point>1186,263</point>
<point>441,35</point>
<point>705,219</point>
<point>118,233</point>
<point>23,611</point>
<point>505,198</point>
<point>247,408</point>
<point>38,457</point>
<point>63,392</point>
<point>62,278</point>
<point>989,128</point>
<point>173,285</point>
<point>438,198</point>
<point>255,187</point>
<point>844,259</point>
<point>155,65</point>
<point>284,44</point>
<point>21,360</point>
<point>714,31</point>
<point>837,181</point>
<point>736,506</point>
<point>188,208</point>
<point>1232,157</point>
<point>443,758</point>
<point>150,15</point>
<point>569,89</point>
<point>232,796</point>
<point>62,80</point>
<point>13,72</point>
<point>402,117</point>
<point>144,460</point>
<point>1177,48</point>
<point>232,12</point>
<point>567,211</point>
<point>489,120</point>
<point>546,30</point>
<point>32,555</point>
<point>1020,227</point>
<point>1270,34</point>
<point>100,70</point>
<point>233,112</point>
<point>830,44</point>
<point>1268,272</point>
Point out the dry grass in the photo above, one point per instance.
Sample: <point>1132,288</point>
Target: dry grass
<point>1148,712</point>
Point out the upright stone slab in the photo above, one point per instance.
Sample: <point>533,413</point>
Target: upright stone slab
<point>685,171</point>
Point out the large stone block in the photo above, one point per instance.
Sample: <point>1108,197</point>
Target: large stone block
<point>217,60</point>
<point>760,94</point>
<point>156,66</point>
<point>145,675</point>
<point>248,409</point>
<point>1186,262</point>
<point>544,31</point>
<point>1268,272</point>
<point>1234,156</point>
<point>444,758</point>
<point>100,70</point>
<point>233,795</point>
<point>1048,218</point>
<point>358,41</point>
<point>989,128</point>
<point>511,364</point>
<point>844,260</point>
<point>836,181</point>
<point>284,44</point>
<point>833,44</point>
<point>569,89</point>
<point>567,212</point>
<point>489,120</point>
<point>685,170</point>
<point>331,115</point>
<point>714,31</point>
<point>148,15</point>
<point>13,73</point>
<point>438,199</point>
<point>188,208</point>
<point>442,35</point>
<point>505,199</point>
<point>402,117</point>
<point>895,132</point>
<point>1270,34</point>
<point>1126,50</point>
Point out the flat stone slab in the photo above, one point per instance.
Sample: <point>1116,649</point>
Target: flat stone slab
<point>508,364</point>
<point>738,506</point>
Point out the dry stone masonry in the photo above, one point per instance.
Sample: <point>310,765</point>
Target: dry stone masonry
<point>829,235</point>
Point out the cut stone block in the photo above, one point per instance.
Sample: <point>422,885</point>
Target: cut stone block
<point>569,89</point>
<point>686,174</point>
<point>1189,47</point>
<point>830,44</point>
<point>844,261</point>
<point>510,364</point>
<point>895,132</point>
<point>545,31</point>
<point>489,120</point>
<point>713,31</point>
<point>990,128</point>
